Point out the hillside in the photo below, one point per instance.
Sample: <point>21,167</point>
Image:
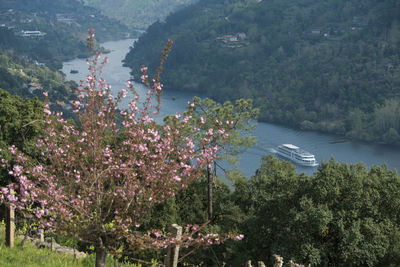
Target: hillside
<point>37,36</point>
<point>31,256</point>
<point>331,66</point>
<point>52,31</point>
<point>28,79</point>
<point>138,13</point>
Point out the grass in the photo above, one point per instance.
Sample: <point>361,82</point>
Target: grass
<point>31,256</point>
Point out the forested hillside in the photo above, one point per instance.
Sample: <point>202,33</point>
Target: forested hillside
<point>25,78</point>
<point>37,36</point>
<point>138,13</point>
<point>332,66</point>
<point>61,28</point>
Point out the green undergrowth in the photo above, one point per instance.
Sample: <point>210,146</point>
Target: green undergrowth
<point>31,256</point>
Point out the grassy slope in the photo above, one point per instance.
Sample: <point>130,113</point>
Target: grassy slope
<point>34,257</point>
<point>31,256</point>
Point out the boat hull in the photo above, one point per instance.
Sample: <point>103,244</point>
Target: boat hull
<point>296,155</point>
<point>297,162</point>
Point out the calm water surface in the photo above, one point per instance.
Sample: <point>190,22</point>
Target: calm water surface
<point>268,136</point>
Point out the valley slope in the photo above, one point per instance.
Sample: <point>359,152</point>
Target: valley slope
<point>61,26</point>
<point>36,37</point>
<point>331,66</point>
<point>138,13</point>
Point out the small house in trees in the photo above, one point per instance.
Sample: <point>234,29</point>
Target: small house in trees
<point>241,35</point>
<point>32,34</point>
<point>66,18</point>
<point>34,86</point>
<point>383,44</point>
<point>228,38</point>
<point>315,31</point>
<point>232,38</point>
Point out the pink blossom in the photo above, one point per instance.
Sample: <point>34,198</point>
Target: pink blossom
<point>158,86</point>
<point>12,149</point>
<point>12,198</point>
<point>124,92</point>
<point>157,234</point>
<point>143,78</point>
<point>17,170</point>
<point>239,237</point>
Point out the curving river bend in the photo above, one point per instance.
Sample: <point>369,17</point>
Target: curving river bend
<point>269,136</point>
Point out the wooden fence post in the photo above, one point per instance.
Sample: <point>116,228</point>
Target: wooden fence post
<point>278,261</point>
<point>293,264</point>
<point>259,264</point>
<point>41,234</point>
<point>171,259</point>
<point>10,225</point>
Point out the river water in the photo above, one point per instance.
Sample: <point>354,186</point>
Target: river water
<point>269,136</point>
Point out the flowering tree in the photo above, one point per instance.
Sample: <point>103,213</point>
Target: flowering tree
<point>95,180</point>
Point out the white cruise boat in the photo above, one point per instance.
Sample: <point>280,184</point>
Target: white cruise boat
<point>297,155</point>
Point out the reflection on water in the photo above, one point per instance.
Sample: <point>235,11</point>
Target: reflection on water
<point>268,136</point>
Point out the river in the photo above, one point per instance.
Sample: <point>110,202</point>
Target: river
<point>269,136</point>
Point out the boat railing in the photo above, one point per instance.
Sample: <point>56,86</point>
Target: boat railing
<point>304,153</point>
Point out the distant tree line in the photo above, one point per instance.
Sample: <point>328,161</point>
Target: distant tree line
<point>138,13</point>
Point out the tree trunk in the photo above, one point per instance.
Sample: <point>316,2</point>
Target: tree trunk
<point>210,194</point>
<point>101,254</point>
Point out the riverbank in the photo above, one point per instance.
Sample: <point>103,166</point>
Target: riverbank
<point>269,136</point>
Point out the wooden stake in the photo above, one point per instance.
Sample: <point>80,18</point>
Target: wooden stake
<point>10,225</point>
<point>171,259</point>
<point>41,231</point>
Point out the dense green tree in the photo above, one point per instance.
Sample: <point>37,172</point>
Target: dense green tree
<point>342,216</point>
<point>21,122</point>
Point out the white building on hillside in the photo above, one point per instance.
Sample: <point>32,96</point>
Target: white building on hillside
<point>31,34</point>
